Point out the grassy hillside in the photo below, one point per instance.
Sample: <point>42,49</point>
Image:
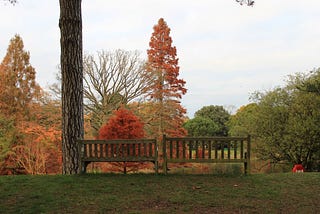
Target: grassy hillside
<point>259,193</point>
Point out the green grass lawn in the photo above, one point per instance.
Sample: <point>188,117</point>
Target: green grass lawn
<point>108,193</point>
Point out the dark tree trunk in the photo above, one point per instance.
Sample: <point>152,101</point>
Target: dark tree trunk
<point>70,24</point>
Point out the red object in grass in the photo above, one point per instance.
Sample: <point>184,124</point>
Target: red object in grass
<point>298,168</point>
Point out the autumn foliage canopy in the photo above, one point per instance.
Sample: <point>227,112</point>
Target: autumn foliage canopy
<point>123,125</point>
<point>29,121</point>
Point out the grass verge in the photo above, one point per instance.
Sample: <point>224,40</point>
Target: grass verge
<point>108,193</point>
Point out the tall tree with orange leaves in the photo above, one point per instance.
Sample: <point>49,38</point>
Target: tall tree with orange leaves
<point>18,87</point>
<point>30,122</point>
<point>167,89</point>
<point>18,92</point>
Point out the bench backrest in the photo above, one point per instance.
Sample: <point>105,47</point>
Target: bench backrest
<point>206,149</point>
<point>118,150</point>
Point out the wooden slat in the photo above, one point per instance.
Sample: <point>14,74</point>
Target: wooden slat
<point>229,147</point>
<point>205,161</point>
<point>216,149</point>
<point>241,149</point>
<point>120,159</point>
<point>139,149</point>
<point>111,150</point>
<point>145,149</point>
<point>118,150</point>
<point>206,138</point>
<point>85,150</point>
<point>150,150</point>
<point>197,145</point>
<point>107,150</point>
<point>190,149</point>
<point>203,149</point>
<point>125,141</point>
<point>90,150</point>
<point>96,150</point>
<point>209,149</point>
<point>171,152</point>
<point>184,149</point>
<point>222,149</point>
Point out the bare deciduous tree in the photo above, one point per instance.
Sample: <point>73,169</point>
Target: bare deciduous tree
<point>110,80</point>
<point>247,2</point>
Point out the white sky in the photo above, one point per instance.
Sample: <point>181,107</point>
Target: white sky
<point>226,51</point>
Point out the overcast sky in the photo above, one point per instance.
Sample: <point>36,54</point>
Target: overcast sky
<point>226,51</point>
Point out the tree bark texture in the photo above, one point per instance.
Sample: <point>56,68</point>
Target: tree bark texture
<point>70,24</point>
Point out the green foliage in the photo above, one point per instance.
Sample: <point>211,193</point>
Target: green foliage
<point>309,82</point>
<point>7,136</point>
<point>201,127</point>
<point>218,115</point>
<point>240,124</point>
<point>286,124</point>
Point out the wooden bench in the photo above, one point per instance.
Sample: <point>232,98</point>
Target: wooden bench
<point>137,150</point>
<point>207,150</point>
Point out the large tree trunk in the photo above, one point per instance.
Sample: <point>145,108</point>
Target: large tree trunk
<point>70,24</point>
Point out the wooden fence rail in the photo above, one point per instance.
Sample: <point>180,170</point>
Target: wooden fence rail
<point>207,150</point>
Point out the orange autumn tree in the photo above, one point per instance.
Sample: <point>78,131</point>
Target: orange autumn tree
<point>39,153</point>
<point>30,123</point>
<point>123,125</point>
<point>18,87</point>
<point>167,89</point>
<point>18,92</point>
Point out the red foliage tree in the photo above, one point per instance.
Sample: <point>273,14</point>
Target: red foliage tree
<point>167,89</point>
<point>123,125</point>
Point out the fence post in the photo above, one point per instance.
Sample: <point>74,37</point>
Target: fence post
<point>247,156</point>
<point>156,156</point>
<point>81,154</point>
<point>164,154</point>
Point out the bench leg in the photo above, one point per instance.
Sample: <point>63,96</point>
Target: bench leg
<point>156,166</point>
<point>84,167</point>
<point>245,168</point>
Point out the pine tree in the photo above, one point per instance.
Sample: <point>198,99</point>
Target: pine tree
<point>167,89</point>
